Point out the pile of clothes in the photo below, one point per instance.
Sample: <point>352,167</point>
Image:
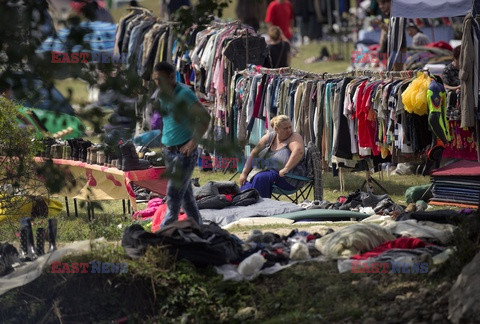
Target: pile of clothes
<point>360,201</point>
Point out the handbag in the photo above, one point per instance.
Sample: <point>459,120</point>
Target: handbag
<point>261,155</point>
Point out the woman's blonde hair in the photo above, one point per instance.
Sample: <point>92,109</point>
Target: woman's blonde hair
<point>277,120</point>
<point>275,33</point>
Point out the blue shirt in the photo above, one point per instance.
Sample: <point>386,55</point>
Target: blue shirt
<point>177,115</point>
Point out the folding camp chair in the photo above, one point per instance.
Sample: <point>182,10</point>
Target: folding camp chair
<point>302,192</point>
<point>313,180</point>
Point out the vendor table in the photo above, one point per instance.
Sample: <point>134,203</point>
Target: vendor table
<point>92,182</point>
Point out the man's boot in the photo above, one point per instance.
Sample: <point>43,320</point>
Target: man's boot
<point>84,145</point>
<point>26,239</point>
<point>40,247</point>
<point>119,156</point>
<point>52,234</point>
<point>76,148</point>
<point>130,160</point>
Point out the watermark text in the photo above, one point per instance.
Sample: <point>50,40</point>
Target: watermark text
<point>89,267</point>
<point>393,267</point>
<point>82,57</point>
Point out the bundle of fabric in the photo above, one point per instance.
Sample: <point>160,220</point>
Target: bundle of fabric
<point>353,239</point>
<point>431,231</point>
<point>417,57</point>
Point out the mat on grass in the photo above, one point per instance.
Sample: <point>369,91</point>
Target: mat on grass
<point>259,221</point>
<point>323,215</point>
<point>460,168</point>
<point>450,203</point>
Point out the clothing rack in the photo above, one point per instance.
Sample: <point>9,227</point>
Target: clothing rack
<point>325,75</point>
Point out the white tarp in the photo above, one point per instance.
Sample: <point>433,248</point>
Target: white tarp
<point>30,271</point>
<point>430,8</point>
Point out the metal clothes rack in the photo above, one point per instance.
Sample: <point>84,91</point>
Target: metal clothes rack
<point>355,73</point>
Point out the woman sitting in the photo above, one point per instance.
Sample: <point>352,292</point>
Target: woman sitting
<point>276,154</point>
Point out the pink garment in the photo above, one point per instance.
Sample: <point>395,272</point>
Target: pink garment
<point>148,212</point>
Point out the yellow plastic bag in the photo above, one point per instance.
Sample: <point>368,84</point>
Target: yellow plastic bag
<point>414,98</point>
<point>22,207</point>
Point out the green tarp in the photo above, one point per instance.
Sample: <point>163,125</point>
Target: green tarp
<point>52,122</point>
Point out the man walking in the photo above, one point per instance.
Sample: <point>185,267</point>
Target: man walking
<point>185,121</point>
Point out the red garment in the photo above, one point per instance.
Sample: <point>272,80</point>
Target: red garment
<point>441,44</point>
<point>399,243</point>
<point>371,119</point>
<point>160,215</point>
<point>229,197</point>
<point>361,114</point>
<point>258,100</point>
<point>462,145</point>
<point>367,124</point>
<point>281,15</point>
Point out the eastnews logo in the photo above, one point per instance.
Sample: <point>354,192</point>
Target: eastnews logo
<point>93,57</point>
<point>385,267</point>
<point>92,267</point>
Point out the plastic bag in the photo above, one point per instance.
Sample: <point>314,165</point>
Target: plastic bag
<point>414,98</point>
<point>251,266</point>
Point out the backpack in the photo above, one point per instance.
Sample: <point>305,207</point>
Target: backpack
<point>246,198</point>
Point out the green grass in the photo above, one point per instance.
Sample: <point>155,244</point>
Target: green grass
<point>75,90</point>
<point>313,50</point>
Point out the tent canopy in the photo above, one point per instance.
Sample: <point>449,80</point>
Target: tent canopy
<point>430,8</point>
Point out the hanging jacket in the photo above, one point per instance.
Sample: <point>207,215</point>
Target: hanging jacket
<point>437,108</point>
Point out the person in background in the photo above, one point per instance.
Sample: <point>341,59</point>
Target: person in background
<point>385,6</point>
<point>418,38</point>
<point>280,54</point>
<point>92,11</point>
<point>251,12</point>
<point>280,13</point>
<point>133,3</point>
<point>276,154</point>
<point>450,73</point>
<point>174,5</point>
<point>185,121</point>
<point>373,9</point>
